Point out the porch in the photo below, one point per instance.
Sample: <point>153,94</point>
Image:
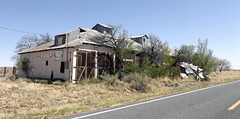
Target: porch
<point>91,63</point>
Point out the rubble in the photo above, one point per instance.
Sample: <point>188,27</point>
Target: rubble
<point>183,75</point>
<point>191,70</point>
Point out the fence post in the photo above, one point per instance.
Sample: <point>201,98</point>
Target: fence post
<point>4,71</point>
<point>13,70</point>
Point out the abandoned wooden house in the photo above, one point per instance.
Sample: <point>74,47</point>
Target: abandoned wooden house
<point>73,56</point>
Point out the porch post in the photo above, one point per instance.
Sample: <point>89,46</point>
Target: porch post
<point>96,65</point>
<point>114,62</point>
<point>74,70</point>
<point>86,68</point>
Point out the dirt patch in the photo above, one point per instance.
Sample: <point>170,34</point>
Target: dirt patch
<point>184,84</point>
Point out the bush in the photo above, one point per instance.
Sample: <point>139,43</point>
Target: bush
<point>110,80</point>
<point>132,68</point>
<point>95,80</point>
<point>173,73</point>
<point>27,80</point>
<point>139,85</point>
<point>152,71</point>
<point>156,72</point>
<point>23,65</point>
<point>40,81</point>
<point>138,81</point>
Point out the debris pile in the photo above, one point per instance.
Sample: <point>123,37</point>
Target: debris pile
<point>190,70</point>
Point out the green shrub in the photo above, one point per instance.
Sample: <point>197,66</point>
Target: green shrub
<point>95,80</point>
<point>23,65</point>
<point>58,82</point>
<point>131,68</point>
<point>163,71</point>
<point>152,71</point>
<point>27,80</point>
<point>40,81</point>
<point>173,73</point>
<point>156,72</point>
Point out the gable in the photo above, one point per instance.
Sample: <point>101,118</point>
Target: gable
<point>102,28</point>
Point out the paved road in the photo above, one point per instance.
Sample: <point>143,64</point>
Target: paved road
<point>208,103</point>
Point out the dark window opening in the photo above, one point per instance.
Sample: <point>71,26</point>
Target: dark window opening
<point>82,30</point>
<point>62,67</point>
<point>143,40</point>
<point>46,63</point>
<point>60,39</point>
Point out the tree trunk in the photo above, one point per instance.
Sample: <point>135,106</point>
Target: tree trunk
<point>122,71</point>
<point>220,69</point>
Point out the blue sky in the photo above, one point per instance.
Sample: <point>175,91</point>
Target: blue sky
<point>175,21</point>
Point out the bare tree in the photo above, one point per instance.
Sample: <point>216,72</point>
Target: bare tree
<point>44,38</point>
<point>29,41</point>
<point>121,45</point>
<point>156,50</point>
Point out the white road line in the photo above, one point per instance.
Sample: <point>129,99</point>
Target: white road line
<point>154,100</point>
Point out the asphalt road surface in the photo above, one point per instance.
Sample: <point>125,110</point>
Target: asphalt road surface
<point>216,102</point>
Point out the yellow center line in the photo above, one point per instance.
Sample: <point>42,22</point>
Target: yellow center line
<point>234,105</point>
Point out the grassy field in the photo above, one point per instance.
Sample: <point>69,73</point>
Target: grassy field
<point>24,99</point>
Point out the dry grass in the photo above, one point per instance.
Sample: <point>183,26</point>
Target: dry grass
<point>8,71</point>
<point>29,100</point>
<point>21,99</point>
<point>226,75</point>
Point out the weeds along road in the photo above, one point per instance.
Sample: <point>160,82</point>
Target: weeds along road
<point>216,102</point>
